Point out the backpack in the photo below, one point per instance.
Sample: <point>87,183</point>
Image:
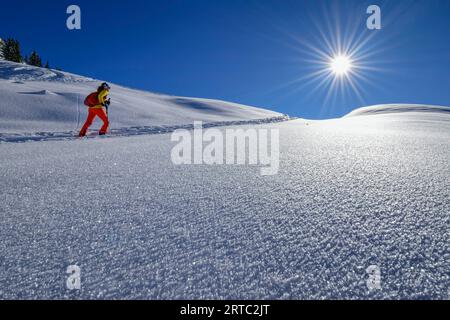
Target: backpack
<point>92,100</point>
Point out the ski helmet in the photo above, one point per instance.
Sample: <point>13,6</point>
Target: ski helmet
<point>105,86</point>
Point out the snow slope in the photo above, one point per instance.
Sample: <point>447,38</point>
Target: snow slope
<point>40,100</point>
<point>370,189</point>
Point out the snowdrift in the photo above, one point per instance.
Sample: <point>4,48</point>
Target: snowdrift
<point>37,99</point>
<point>386,109</point>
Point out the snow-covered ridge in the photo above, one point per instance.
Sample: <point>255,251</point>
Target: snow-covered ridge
<point>397,108</point>
<point>44,100</point>
<point>24,72</point>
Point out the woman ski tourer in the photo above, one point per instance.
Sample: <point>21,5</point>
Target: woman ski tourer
<point>97,102</point>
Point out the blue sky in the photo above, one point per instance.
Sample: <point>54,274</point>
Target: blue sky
<point>260,53</point>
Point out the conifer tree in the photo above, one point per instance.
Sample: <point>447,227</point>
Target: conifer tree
<point>11,50</point>
<point>35,59</point>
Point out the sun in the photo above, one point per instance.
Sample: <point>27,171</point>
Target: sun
<point>335,61</point>
<point>341,65</point>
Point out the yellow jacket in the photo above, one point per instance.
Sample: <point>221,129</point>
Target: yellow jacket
<point>102,96</point>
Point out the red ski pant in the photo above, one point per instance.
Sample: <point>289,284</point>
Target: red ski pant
<point>95,112</point>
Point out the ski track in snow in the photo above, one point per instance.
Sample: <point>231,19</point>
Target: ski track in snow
<point>350,193</point>
<point>125,132</point>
